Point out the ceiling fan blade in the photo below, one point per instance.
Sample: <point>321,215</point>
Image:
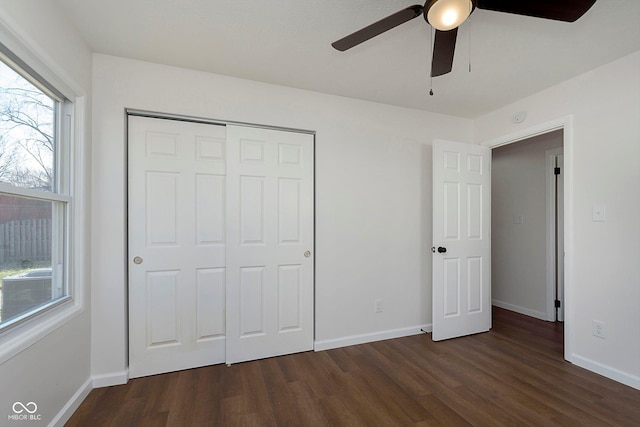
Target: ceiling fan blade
<point>378,28</point>
<point>444,47</point>
<point>558,10</point>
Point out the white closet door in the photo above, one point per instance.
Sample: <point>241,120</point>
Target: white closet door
<point>270,243</point>
<point>176,245</point>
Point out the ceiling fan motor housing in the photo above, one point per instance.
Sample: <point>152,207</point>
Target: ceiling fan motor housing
<point>442,8</point>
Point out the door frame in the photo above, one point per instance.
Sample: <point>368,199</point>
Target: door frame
<point>565,124</point>
<point>129,112</point>
<point>552,258</point>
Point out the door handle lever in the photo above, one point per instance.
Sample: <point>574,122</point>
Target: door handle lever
<point>441,250</point>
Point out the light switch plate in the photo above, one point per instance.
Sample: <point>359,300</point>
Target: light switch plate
<point>599,213</point>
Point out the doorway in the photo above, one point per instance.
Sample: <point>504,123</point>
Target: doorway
<point>528,226</point>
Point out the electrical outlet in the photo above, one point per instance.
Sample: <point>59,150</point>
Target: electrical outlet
<point>599,329</point>
<point>378,306</point>
<point>599,213</point>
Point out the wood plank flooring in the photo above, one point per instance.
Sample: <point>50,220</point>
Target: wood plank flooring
<point>512,376</point>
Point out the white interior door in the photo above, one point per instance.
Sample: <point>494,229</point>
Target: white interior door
<point>270,243</point>
<point>176,245</point>
<point>462,239</point>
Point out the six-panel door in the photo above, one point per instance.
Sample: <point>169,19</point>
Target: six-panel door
<point>270,243</point>
<point>461,225</point>
<point>177,274</point>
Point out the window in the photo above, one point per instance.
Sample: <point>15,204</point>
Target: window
<point>34,197</point>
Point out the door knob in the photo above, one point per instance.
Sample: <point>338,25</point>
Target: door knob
<point>137,260</point>
<point>307,254</point>
<point>441,250</point>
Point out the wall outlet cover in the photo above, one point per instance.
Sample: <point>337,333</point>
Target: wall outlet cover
<point>599,329</point>
<point>599,213</point>
<point>378,306</point>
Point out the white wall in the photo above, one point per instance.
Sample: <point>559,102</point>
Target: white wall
<point>518,251</point>
<point>53,369</point>
<point>373,197</point>
<point>604,161</point>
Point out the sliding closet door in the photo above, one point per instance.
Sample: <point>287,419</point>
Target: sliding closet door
<point>176,245</point>
<point>269,243</point>
<point>220,244</point>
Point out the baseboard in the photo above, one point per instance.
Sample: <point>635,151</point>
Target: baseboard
<point>606,371</point>
<point>72,404</point>
<point>365,338</point>
<point>78,397</point>
<point>107,380</point>
<point>522,310</point>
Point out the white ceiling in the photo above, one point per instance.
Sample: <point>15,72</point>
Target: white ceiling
<point>288,42</point>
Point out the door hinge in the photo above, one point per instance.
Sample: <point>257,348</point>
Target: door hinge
<point>556,171</point>
<point>557,302</point>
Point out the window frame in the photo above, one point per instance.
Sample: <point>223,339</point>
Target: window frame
<point>69,167</point>
<point>58,194</point>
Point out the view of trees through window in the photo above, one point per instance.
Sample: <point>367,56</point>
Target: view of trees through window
<point>26,132</point>
<point>27,158</point>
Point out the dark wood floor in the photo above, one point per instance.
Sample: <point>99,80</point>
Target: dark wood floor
<point>513,376</point>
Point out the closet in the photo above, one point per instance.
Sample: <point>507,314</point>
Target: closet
<point>220,243</point>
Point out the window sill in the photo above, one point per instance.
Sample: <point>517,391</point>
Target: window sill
<point>23,336</point>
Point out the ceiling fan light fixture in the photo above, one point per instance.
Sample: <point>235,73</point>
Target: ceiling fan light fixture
<point>445,15</point>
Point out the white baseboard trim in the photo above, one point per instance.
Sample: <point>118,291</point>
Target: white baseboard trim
<point>107,380</point>
<point>78,397</point>
<point>72,404</point>
<point>607,371</point>
<point>366,338</point>
<point>522,310</point>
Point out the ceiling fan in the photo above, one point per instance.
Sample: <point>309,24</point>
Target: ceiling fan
<point>446,15</point>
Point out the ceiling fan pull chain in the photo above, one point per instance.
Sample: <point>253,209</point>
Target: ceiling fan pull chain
<point>469,32</point>
<point>431,56</point>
